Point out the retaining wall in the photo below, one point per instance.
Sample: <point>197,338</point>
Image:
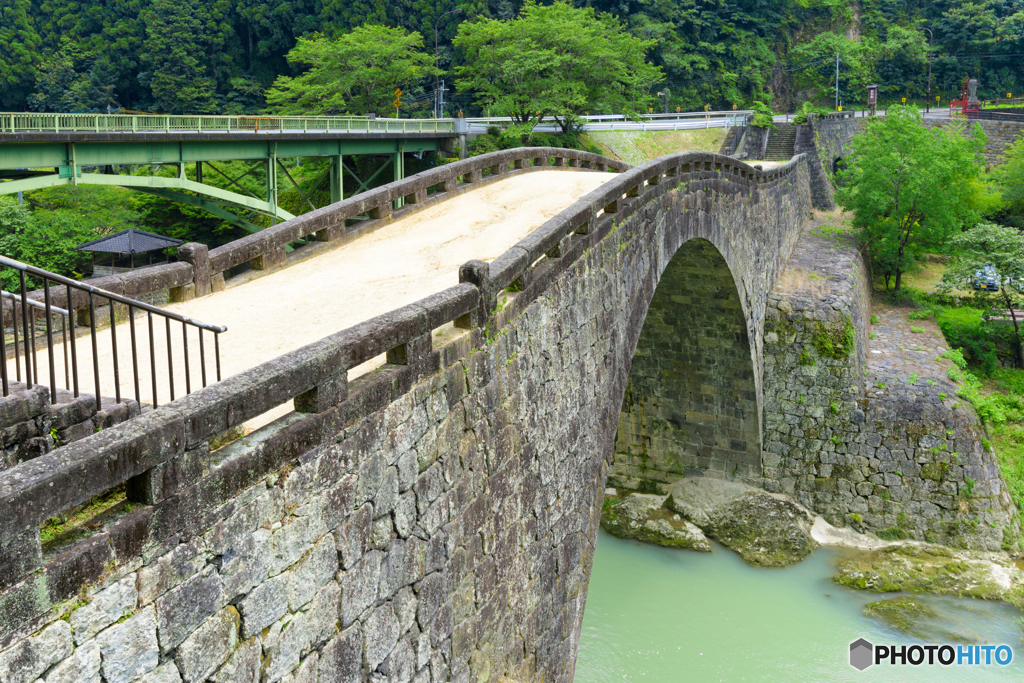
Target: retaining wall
<point>878,449</point>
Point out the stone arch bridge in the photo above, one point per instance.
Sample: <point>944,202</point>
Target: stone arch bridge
<point>435,519</point>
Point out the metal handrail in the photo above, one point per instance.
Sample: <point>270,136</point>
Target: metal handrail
<point>20,122</point>
<point>28,335</point>
<point>32,302</point>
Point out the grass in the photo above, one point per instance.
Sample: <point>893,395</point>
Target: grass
<point>636,147</point>
<point>924,277</point>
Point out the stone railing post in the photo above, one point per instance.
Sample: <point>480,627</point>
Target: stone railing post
<point>198,255</point>
<point>477,273</point>
<point>329,392</point>
<point>163,481</point>
<point>269,259</point>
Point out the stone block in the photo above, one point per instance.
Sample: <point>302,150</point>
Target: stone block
<point>306,672</point>
<point>105,607</point>
<point>129,649</point>
<point>182,609</point>
<point>380,635</point>
<point>313,571</point>
<point>352,536</point>
<point>27,660</point>
<point>83,666</point>
<point>269,259</point>
<point>208,646</point>
<point>165,673</point>
<point>166,479</point>
<point>19,556</point>
<point>359,585</point>
<point>244,664</point>
<point>246,564</point>
<point>267,603</point>
<point>342,657</point>
<point>169,570</point>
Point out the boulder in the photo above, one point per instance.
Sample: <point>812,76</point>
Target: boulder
<point>765,529</point>
<point>695,498</point>
<point>643,517</point>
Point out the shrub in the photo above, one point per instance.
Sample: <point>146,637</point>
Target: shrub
<point>982,343</point>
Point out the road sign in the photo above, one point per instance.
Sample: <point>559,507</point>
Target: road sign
<point>398,93</point>
<point>904,100</point>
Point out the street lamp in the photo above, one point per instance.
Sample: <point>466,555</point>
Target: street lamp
<point>437,78</point>
<point>931,42</point>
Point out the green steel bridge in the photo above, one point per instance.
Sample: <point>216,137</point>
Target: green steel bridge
<point>47,150</point>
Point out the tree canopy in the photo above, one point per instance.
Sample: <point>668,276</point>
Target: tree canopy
<point>216,55</point>
<point>355,72</point>
<point>908,186</point>
<point>555,60</point>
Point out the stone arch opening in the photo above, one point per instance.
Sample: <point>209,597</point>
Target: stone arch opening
<point>690,405</point>
<point>838,164</point>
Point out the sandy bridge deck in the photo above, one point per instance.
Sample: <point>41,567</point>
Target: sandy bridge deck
<point>391,267</point>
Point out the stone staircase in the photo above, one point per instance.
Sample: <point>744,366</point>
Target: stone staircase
<point>780,143</point>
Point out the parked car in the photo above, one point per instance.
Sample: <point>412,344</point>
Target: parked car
<point>987,278</point>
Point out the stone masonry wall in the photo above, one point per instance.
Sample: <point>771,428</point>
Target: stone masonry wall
<point>433,520</point>
<point>866,444</point>
<point>1000,134</point>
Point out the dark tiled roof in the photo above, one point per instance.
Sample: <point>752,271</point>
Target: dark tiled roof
<point>130,241</point>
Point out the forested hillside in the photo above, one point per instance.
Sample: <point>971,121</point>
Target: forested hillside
<point>220,56</point>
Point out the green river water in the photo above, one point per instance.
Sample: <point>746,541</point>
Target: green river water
<point>661,614</point>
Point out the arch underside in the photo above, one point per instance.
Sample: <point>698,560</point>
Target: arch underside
<point>690,405</point>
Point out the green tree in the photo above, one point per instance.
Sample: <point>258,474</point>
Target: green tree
<point>908,186</point>
<point>51,247</point>
<point>175,57</point>
<point>356,72</point>
<point>993,245</point>
<point>19,52</point>
<point>555,61</point>
<point>1009,179</point>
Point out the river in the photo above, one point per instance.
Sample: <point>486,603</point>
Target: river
<point>661,614</point>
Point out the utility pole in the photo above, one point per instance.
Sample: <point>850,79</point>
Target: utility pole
<point>837,81</point>
<point>931,42</point>
<point>437,92</point>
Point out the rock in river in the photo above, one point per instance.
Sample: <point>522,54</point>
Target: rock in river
<point>765,529</point>
<point>643,517</point>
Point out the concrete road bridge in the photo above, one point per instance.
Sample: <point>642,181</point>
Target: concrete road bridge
<point>419,498</point>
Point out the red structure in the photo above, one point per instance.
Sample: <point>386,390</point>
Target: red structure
<point>968,105</point>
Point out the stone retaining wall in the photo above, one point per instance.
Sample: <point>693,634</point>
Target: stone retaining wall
<point>882,451</point>
<point>1000,134</point>
<point>432,520</point>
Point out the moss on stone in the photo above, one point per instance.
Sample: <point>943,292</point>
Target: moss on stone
<point>903,613</point>
<point>926,568</point>
<point>835,340</point>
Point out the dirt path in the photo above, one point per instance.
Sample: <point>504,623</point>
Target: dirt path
<point>391,267</point>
